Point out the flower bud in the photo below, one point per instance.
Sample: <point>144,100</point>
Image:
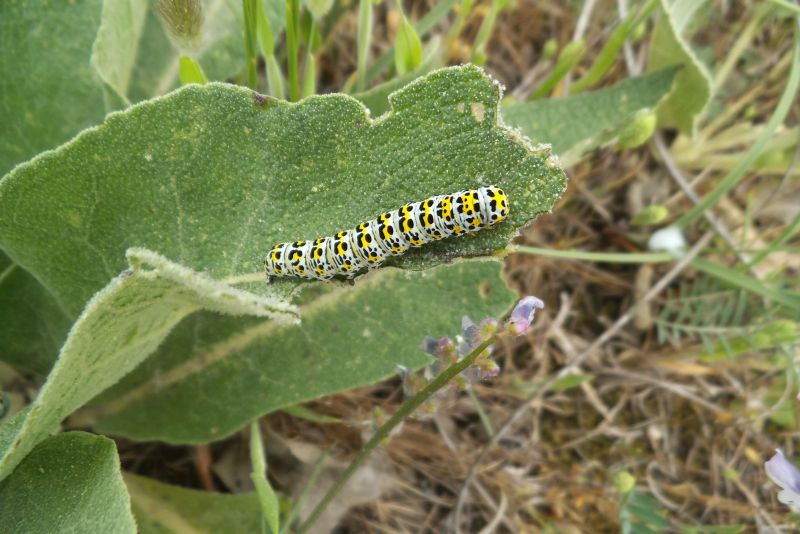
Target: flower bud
<point>184,22</point>
<point>522,316</point>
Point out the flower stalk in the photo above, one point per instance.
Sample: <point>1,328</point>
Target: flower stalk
<point>405,410</point>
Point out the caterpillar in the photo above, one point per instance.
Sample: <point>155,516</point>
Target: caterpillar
<point>389,234</point>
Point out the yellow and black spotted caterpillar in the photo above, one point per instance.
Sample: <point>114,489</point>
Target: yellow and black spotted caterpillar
<point>391,233</point>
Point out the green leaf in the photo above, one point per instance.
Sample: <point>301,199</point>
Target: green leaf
<point>69,483</point>
<point>267,498</point>
<point>162,508</point>
<point>276,13</point>
<point>563,122</point>
<point>210,176</point>
<point>738,279</point>
<point>773,333</point>
<point>318,8</point>
<point>653,214</point>
<point>301,412</point>
<point>120,326</point>
<point>692,93</point>
<point>191,71</point>
<point>32,326</point>
<point>570,381</point>
<point>638,130</point>
<point>645,509</point>
<point>407,48</point>
<point>115,48</point>
<point>65,64</point>
<point>215,374</point>
<point>10,428</point>
<point>624,482</point>
<point>50,91</point>
<point>266,39</point>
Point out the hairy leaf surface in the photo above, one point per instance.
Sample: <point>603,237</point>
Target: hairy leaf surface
<point>69,483</point>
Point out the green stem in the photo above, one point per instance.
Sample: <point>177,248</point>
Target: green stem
<point>485,30</point>
<point>600,257</point>
<point>485,421</point>
<point>741,46</point>
<point>736,278</point>
<point>463,11</point>
<point>787,5</point>
<point>274,77</point>
<point>310,74</point>
<point>293,47</point>
<point>266,495</point>
<point>785,236</point>
<point>733,177</point>
<point>250,33</point>
<point>310,484</point>
<point>267,42</point>
<point>364,35</point>
<point>405,410</point>
<point>567,59</point>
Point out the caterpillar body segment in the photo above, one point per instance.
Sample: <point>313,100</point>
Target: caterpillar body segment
<point>390,234</point>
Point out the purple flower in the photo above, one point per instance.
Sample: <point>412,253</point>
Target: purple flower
<point>443,348</point>
<point>473,335</point>
<point>787,476</point>
<point>487,368</point>
<point>522,316</point>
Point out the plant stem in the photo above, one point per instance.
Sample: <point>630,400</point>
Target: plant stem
<point>293,47</point>
<point>787,5</point>
<point>267,42</point>
<point>485,421</point>
<point>364,35</point>
<point>319,465</point>
<point>405,410</point>
<point>601,257</point>
<point>485,31</point>
<point>785,236</point>
<point>567,59</point>
<point>310,73</point>
<point>463,12</point>
<point>266,495</point>
<point>250,32</point>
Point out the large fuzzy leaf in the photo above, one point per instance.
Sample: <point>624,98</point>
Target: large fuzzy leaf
<point>209,177</point>
<point>69,483</point>
<point>577,124</point>
<point>32,326</point>
<point>692,93</point>
<point>215,374</point>
<point>48,88</point>
<point>162,508</point>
